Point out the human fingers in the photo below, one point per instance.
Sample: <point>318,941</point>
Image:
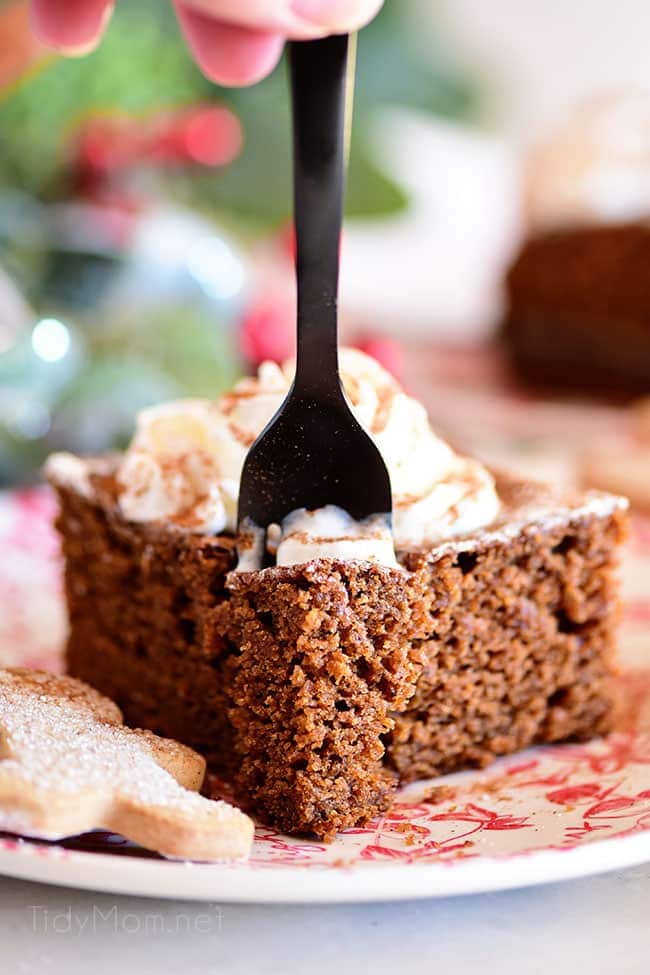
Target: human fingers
<point>228,54</point>
<point>71,26</point>
<point>295,19</point>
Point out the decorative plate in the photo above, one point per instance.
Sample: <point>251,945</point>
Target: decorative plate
<point>543,815</point>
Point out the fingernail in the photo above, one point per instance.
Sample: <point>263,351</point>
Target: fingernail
<point>73,28</point>
<point>316,11</point>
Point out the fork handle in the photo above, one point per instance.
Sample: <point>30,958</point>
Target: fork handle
<point>318,88</point>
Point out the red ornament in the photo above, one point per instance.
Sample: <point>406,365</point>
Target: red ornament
<point>207,135</point>
<point>287,240</point>
<point>267,331</point>
<point>106,145</point>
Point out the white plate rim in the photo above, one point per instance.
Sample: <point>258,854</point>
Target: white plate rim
<point>241,883</point>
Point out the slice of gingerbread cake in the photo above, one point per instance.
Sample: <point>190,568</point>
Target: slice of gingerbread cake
<point>483,622</point>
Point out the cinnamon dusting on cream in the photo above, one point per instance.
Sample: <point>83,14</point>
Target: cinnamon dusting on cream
<point>184,464</point>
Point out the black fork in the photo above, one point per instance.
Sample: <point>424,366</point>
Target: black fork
<point>314,452</point>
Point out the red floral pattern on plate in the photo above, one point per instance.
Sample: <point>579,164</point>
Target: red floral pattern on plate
<point>552,798</point>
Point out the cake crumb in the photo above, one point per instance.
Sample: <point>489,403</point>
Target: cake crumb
<point>440,793</point>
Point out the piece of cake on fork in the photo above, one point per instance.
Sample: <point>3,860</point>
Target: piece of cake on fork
<point>484,622</point>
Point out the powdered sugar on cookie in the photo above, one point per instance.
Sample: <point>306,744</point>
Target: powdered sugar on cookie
<point>68,764</point>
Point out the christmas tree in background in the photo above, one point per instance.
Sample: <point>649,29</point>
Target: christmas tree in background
<point>129,189</point>
<point>143,66</point>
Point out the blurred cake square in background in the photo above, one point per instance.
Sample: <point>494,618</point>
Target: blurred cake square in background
<point>578,302</point>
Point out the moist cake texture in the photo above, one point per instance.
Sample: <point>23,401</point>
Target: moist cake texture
<point>328,652</point>
<point>314,689</point>
<point>522,644</point>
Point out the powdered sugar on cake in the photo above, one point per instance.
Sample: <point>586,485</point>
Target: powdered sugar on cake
<point>547,513</point>
<point>76,472</point>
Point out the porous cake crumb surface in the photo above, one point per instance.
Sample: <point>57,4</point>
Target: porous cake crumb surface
<point>315,688</point>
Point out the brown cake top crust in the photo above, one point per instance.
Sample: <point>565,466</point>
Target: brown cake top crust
<point>523,502</point>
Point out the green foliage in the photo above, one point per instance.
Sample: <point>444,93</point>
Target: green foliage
<point>195,350</point>
<point>142,65</point>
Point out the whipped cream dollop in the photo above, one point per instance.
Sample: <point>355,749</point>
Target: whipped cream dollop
<point>186,458</point>
<point>326,533</point>
<point>330,532</point>
<point>596,169</point>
